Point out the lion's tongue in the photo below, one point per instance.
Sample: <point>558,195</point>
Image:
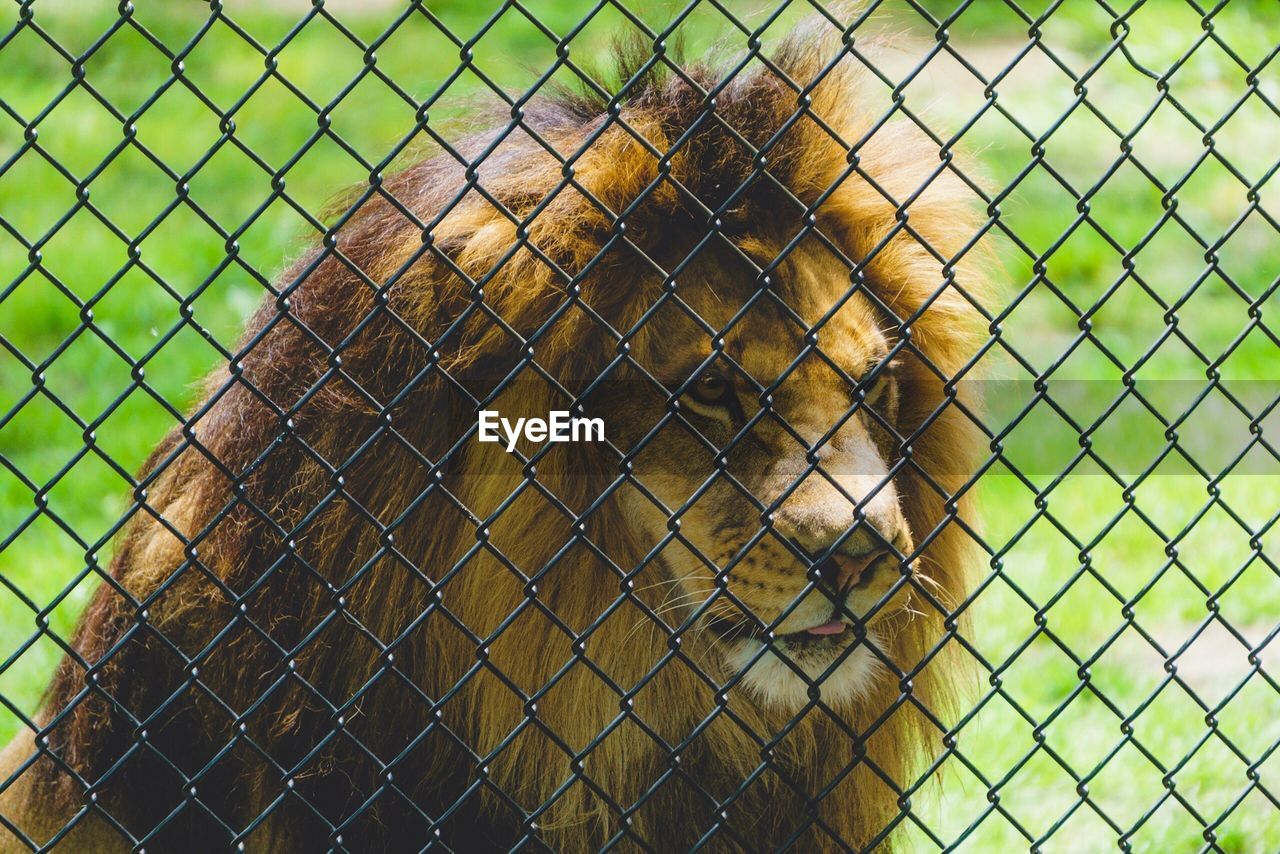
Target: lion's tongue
<point>834,627</point>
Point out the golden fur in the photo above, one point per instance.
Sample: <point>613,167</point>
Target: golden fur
<point>314,623</point>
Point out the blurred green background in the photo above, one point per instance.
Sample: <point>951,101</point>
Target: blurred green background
<point>1044,751</point>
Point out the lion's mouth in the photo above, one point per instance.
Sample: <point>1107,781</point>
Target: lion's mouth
<point>832,633</point>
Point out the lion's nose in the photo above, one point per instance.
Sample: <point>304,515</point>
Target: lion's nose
<point>818,516</point>
<point>842,572</point>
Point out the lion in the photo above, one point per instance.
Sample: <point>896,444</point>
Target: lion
<point>336,620</point>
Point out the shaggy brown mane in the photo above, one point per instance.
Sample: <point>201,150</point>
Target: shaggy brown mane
<point>312,619</point>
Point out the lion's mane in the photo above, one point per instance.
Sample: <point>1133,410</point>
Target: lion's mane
<point>337,621</point>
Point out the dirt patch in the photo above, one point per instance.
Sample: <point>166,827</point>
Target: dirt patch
<point>1212,665</point>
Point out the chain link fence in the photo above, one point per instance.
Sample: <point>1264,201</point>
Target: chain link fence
<point>905,476</point>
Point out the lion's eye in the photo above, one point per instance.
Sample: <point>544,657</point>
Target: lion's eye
<point>711,389</point>
<point>883,381</point>
<point>875,388</point>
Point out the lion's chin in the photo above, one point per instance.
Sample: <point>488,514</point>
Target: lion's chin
<point>840,674</point>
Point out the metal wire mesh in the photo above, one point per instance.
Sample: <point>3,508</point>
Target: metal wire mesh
<point>1124,595</point>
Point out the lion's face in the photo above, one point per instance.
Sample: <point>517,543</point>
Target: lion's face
<point>791,541</point>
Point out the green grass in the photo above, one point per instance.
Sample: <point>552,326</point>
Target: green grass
<point>1064,571</point>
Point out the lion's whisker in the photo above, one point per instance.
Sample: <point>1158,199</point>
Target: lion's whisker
<point>674,581</point>
<point>667,605</point>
